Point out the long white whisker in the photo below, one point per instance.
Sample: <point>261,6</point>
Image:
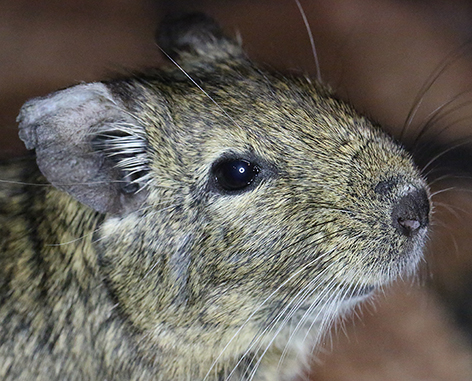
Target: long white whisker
<point>332,307</point>
<point>278,316</point>
<point>442,191</point>
<point>284,322</point>
<point>261,305</point>
<point>312,41</point>
<point>199,87</point>
<point>12,182</point>
<point>306,316</point>
<point>307,313</point>
<point>314,304</point>
<point>74,240</point>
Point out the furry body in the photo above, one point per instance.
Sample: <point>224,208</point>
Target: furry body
<point>141,264</point>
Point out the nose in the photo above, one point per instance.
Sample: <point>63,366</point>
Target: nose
<point>411,213</point>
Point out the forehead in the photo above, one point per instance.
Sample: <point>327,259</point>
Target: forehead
<point>252,104</point>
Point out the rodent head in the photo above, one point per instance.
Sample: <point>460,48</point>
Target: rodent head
<point>229,191</point>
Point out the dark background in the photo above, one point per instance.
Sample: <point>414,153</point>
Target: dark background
<point>377,54</point>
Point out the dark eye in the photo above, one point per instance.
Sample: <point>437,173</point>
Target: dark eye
<point>235,174</point>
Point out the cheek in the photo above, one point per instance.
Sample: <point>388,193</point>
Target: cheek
<point>131,265</point>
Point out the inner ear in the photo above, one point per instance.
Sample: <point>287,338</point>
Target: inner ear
<point>88,145</point>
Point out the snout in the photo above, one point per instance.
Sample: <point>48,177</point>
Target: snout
<point>411,213</point>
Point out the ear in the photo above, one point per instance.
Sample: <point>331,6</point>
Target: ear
<point>183,36</point>
<point>89,146</point>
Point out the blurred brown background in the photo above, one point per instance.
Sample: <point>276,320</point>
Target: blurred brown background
<point>378,54</point>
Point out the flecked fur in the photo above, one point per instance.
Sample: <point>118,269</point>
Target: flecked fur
<point>158,273</point>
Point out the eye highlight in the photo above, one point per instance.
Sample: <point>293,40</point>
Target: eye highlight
<point>235,174</point>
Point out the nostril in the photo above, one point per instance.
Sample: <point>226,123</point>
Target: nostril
<point>411,225</point>
<point>411,213</point>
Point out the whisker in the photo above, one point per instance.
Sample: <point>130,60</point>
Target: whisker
<point>430,81</point>
<point>269,325</point>
<point>305,316</point>
<point>448,177</point>
<point>74,240</point>
<point>433,194</point>
<point>284,248</point>
<point>334,310</point>
<point>199,87</point>
<point>12,182</point>
<point>312,41</point>
<point>323,328</point>
<point>306,294</point>
<point>258,336</point>
<point>436,157</point>
<point>451,124</point>
<point>436,116</point>
<point>454,210</point>
<point>279,329</point>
